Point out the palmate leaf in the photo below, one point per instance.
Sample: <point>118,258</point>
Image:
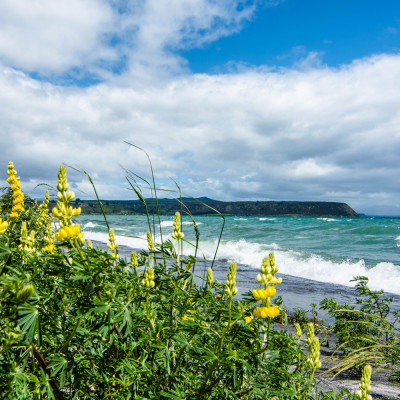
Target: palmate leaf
<point>100,309</point>
<point>176,393</point>
<point>126,319</point>
<point>59,365</point>
<point>29,321</point>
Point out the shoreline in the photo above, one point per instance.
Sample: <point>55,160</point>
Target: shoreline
<point>295,292</point>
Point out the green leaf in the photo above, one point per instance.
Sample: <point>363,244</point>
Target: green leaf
<point>29,321</point>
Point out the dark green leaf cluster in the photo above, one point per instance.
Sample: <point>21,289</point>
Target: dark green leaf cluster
<point>368,334</point>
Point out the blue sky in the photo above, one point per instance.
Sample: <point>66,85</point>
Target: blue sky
<point>235,100</point>
<point>340,31</point>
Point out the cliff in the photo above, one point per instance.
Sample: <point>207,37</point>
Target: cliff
<point>237,208</point>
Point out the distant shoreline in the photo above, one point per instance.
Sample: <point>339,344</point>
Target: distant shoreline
<point>205,206</point>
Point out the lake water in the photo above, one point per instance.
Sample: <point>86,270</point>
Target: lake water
<point>318,257</point>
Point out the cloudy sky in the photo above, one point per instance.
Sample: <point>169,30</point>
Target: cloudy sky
<point>233,99</point>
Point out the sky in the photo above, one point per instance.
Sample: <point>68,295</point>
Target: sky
<point>232,99</point>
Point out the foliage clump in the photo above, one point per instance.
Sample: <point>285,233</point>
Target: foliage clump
<point>368,334</point>
<point>78,322</point>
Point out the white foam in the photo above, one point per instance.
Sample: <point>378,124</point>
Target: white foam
<point>166,223</point>
<point>327,219</point>
<point>89,225</point>
<point>384,275</point>
<point>137,243</point>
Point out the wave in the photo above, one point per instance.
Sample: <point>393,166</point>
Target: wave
<point>327,219</point>
<point>90,225</point>
<point>384,275</point>
<point>165,224</point>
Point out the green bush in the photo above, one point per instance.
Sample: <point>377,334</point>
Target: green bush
<point>368,334</point>
<point>82,323</point>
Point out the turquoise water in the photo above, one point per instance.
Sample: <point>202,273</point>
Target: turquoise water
<point>330,250</point>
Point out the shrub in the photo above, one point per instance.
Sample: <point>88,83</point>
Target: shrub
<point>79,322</point>
<point>368,334</point>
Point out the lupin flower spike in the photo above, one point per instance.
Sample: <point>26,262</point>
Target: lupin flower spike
<point>268,270</point>
<point>365,385</point>
<point>148,279</point>
<point>64,213</point>
<point>43,217</point>
<point>18,196</point>
<point>176,227</point>
<point>134,260</point>
<point>27,241</point>
<point>297,328</point>
<point>49,239</point>
<point>112,245</point>
<point>313,358</point>
<point>310,333</point>
<point>210,278</point>
<point>150,242</point>
<point>230,288</point>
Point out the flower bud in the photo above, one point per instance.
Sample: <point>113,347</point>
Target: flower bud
<point>150,242</point>
<point>134,260</point>
<point>210,278</point>
<point>310,333</point>
<point>299,333</point>
<point>25,293</point>
<point>230,289</point>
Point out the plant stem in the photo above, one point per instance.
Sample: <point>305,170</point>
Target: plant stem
<point>57,392</point>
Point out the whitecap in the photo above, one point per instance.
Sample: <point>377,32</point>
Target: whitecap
<point>89,225</point>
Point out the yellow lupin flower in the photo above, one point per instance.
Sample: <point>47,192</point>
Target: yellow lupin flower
<point>63,212</point>
<point>18,196</point>
<point>150,242</point>
<point>3,226</point>
<point>263,294</point>
<point>365,385</point>
<point>266,312</point>
<point>248,319</point>
<point>176,233</point>
<point>112,245</point>
<point>230,285</point>
<point>268,270</point>
<point>69,233</point>
<point>27,241</point>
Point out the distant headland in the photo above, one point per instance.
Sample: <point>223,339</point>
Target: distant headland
<point>205,206</point>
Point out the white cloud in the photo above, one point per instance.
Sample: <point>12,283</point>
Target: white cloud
<point>315,134</point>
<point>54,36</point>
<point>305,133</point>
